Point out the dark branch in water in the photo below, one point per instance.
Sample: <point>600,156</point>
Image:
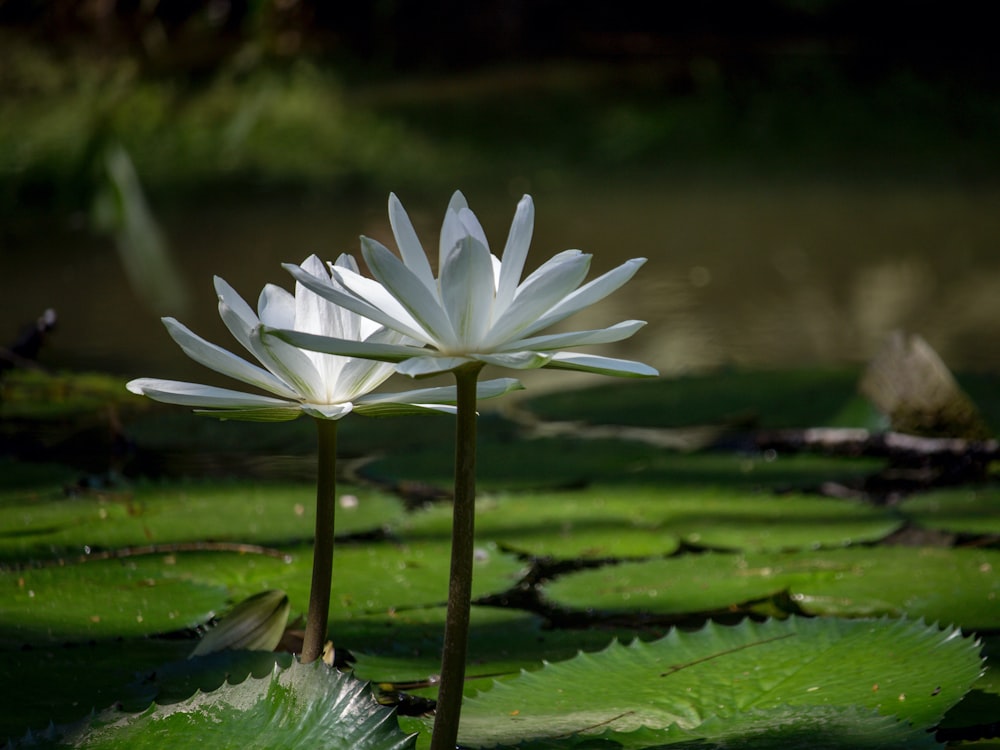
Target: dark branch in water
<point>842,441</point>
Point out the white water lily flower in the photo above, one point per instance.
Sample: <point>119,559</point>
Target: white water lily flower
<point>478,309</point>
<point>323,386</point>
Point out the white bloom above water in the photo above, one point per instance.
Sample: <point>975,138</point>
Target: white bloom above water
<point>321,385</point>
<point>478,309</point>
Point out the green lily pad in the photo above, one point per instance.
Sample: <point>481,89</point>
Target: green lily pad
<point>406,646</point>
<point>103,599</point>
<point>783,728</point>
<point>594,524</point>
<point>674,586</point>
<point>301,706</point>
<point>715,682</point>
<point>959,586</point>
<point>49,523</point>
<point>945,585</point>
<point>965,510</point>
<point>622,522</point>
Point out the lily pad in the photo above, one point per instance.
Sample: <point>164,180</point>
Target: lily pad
<point>406,647</point>
<point>945,585</point>
<point>595,524</point>
<point>50,523</point>
<point>624,521</point>
<point>104,599</point>
<point>301,706</point>
<point>716,682</point>
<point>965,510</point>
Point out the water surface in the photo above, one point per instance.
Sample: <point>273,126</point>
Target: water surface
<point>752,274</point>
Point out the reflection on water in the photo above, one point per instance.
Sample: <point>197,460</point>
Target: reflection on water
<point>755,274</point>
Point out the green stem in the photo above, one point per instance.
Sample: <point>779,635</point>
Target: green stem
<point>456,628</point>
<point>318,615</point>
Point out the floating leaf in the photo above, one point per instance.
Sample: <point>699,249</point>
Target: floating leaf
<point>263,512</point>
<point>946,585</point>
<point>301,706</point>
<point>963,510</point>
<point>103,599</point>
<point>716,682</point>
<point>627,521</point>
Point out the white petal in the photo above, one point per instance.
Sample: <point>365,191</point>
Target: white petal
<point>472,227</point>
<point>393,409</point>
<point>196,394</point>
<point>467,292</point>
<point>276,306</point>
<point>316,314</point>
<point>346,260</point>
<point>409,291</point>
<point>601,365</point>
<point>345,348</point>
<point>515,253</point>
<point>328,411</point>
<point>497,387</point>
<point>417,367</point>
<point>253,414</point>
<point>410,248</point>
<point>360,376</point>
<point>451,228</point>
<point>537,295</point>
<point>588,294</point>
<point>238,316</point>
<point>216,358</point>
<point>444,394</point>
<point>617,332</point>
<point>291,364</point>
<point>515,360</point>
<point>389,314</point>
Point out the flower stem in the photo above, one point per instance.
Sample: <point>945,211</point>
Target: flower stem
<point>318,615</point>
<point>456,628</point>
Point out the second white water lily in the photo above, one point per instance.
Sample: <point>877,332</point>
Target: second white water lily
<point>302,382</point>
<point>478,309</point>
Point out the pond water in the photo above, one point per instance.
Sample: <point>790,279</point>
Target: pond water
<point>752,274</point>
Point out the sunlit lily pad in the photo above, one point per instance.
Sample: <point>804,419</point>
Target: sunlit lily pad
<point>959,586</point>
<point>266,513</point>
<point>793,667</point>
<point>963,510</point>
<point>674,586</point>
<point>621,522</point>
<point>592,524</point>
<point>103,599</point>
<point>946,585</point>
